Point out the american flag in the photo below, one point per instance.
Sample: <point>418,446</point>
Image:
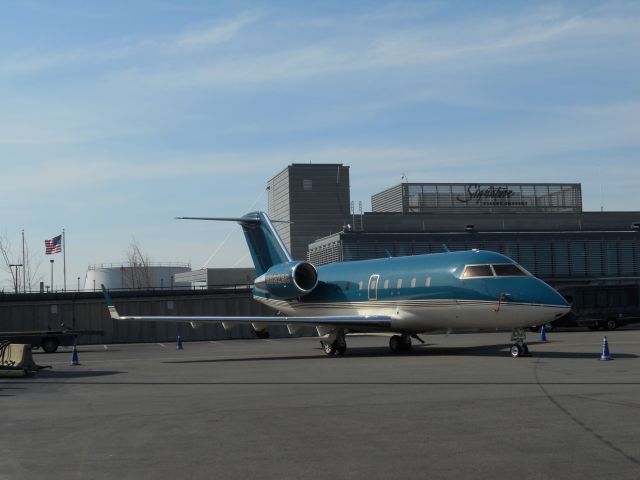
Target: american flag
<point>53,246</point>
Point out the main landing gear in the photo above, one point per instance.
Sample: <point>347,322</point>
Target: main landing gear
<point>335,347</point>
<point>519,347</point>
<point>400,343</point>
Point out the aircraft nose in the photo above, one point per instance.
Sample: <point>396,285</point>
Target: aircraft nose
<point>557,299</point>
<point>559,304</point>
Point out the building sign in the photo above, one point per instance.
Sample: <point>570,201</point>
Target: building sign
<point>490,196</point>
<point>479,197</point>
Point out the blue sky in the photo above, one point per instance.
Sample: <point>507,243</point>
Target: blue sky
<point>117,116</point>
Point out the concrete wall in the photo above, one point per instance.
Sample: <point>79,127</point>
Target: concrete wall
<point>315,198</point>
<point>87,311</point>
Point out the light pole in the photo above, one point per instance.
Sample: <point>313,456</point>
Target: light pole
<point>51,275</point>
<point>78,283</point>
<point>15,278</point>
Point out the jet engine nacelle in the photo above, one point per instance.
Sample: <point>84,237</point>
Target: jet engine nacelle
<point>288,280</point>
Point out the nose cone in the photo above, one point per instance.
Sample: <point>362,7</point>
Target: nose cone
<point>555,299</point>
<point>554,304</point>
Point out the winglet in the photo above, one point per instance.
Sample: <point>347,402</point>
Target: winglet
<point>110,306</point>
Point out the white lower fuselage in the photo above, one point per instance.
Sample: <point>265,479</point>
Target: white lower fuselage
<point>419,316</point>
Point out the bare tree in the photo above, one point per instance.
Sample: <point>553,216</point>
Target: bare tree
<point>28,275</point>
<point>139,266</point>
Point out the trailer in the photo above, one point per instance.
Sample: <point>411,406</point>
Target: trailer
<point>48,340</point>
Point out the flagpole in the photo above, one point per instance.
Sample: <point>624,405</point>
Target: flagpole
<point>24,267</point>
<point>64,259</point>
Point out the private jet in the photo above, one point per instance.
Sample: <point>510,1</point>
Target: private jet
<point>401,296</point>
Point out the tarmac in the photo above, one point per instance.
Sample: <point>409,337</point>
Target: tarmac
<point>458,407</point>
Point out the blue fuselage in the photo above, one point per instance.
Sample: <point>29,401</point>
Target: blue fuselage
<point>422,287</point>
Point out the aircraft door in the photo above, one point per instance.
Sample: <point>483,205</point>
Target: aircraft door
<point>373,287</point>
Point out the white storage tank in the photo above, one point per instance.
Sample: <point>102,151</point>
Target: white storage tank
<point>127,276</point>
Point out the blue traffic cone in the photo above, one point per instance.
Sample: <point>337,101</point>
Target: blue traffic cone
<point>179,344</point>
<point>74,356</point>
<point>605,350</point>
<point>543,334</point>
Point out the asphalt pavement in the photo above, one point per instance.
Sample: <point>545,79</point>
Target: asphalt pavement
<point>457,407</point>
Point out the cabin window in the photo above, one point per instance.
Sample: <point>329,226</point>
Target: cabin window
<point>427,282</point>
<point>474,271</point>
<point>360,284</point>
<point>347,286</point>
<point>413,283</point>
<point>508,270</point>
<point>386,284</point>
<point>399,283</point>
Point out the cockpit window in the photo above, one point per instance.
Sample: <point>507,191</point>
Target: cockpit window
<point>473,271</point>
<point>508,270</point>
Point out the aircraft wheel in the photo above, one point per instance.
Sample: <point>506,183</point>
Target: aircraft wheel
<point>525,349</point>
<point>50,345</point>
<point>516,351</point>
<point>406,343</point>
<point>341,349</point>
<point>395,343</point>
<point>329,348</point>
<point>611,324</point>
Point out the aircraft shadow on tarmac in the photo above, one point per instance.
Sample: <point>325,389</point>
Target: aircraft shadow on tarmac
<point>500,350</point>
<point>56,374</point>
<point>67,351</point>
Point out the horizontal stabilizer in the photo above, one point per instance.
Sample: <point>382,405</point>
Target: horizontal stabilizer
<point>223,219</point>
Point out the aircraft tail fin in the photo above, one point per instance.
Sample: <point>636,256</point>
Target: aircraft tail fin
<point>264,243</point>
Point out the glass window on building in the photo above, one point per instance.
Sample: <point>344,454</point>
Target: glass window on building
<point>625,250</point>
<point>307,184</point>
<point>544,260</point>
<point>577,258</point>
<point>594,258</point>
<point>560,258</point>
<point>611,257</point>
<point>527,257</point>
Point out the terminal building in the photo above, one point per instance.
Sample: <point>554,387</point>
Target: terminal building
<point>593,258</point>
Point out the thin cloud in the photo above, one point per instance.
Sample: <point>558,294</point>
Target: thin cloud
<point>205,37</point>
<point>485,42</point>
<point>109,53</point>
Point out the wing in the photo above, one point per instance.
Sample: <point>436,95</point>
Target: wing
<point>346,321</point>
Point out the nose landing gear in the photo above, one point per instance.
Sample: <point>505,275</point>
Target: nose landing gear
<point>519,347</point>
